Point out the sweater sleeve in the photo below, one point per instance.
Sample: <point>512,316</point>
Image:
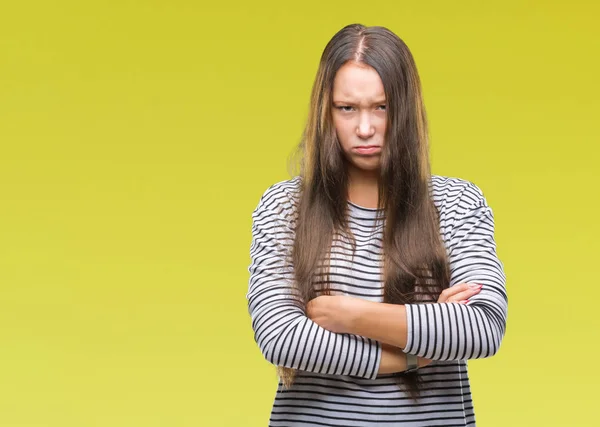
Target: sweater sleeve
<point>475,330</point>
<point>285,335</point>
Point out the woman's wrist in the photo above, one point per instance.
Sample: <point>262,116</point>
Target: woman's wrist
<point>422,362</point>
<point>393,360</point>
<point>412,362</point>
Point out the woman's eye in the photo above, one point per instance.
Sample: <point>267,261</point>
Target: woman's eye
<point>348,108</point>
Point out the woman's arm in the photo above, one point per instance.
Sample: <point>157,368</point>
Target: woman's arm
<point>473,330</point>
<point>441,331</point>
<point>285,335</point>
<point>344,314</point>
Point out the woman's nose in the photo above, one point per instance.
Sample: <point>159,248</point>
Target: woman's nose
<point>365,128</point>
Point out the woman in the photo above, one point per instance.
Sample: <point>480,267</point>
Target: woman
<point>372,282</point>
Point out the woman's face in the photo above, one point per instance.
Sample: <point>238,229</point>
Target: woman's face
<point>359,116</point>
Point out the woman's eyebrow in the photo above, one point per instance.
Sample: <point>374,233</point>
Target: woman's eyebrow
<point>347,102</point>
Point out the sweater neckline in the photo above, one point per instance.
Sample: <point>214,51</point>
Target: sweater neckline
<point>361,211</point>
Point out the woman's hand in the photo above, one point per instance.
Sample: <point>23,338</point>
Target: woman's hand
<point>459,293</point>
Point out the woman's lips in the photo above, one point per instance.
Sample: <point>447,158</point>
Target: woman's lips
<point>367,149</point>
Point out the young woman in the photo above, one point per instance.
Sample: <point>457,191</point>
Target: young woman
<point>372,282</point>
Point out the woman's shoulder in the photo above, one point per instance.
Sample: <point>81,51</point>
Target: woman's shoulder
<point>281,197</point>
<point>454,194</point>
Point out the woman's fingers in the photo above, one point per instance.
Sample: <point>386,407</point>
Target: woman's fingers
<point>458,293</point>
<point>465,295</point>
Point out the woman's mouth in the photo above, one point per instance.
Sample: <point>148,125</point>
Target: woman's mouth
<point>367,149</point>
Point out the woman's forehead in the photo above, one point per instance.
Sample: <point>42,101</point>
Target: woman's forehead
<point>358,83</point>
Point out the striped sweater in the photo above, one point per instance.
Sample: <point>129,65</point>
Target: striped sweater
<point>337,382</point>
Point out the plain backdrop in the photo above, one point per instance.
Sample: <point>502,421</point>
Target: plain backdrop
<point>136,138</point>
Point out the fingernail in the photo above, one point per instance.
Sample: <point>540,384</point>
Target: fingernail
<point>474,285</point>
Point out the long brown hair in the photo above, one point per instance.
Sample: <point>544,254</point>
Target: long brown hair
<point>414,258</point>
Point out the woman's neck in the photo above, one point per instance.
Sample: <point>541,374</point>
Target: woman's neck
<point>363,190</point>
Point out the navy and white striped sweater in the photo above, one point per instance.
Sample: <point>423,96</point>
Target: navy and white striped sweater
<point>337,382</point>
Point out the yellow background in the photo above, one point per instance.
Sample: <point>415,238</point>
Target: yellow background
<point>136,138</point>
